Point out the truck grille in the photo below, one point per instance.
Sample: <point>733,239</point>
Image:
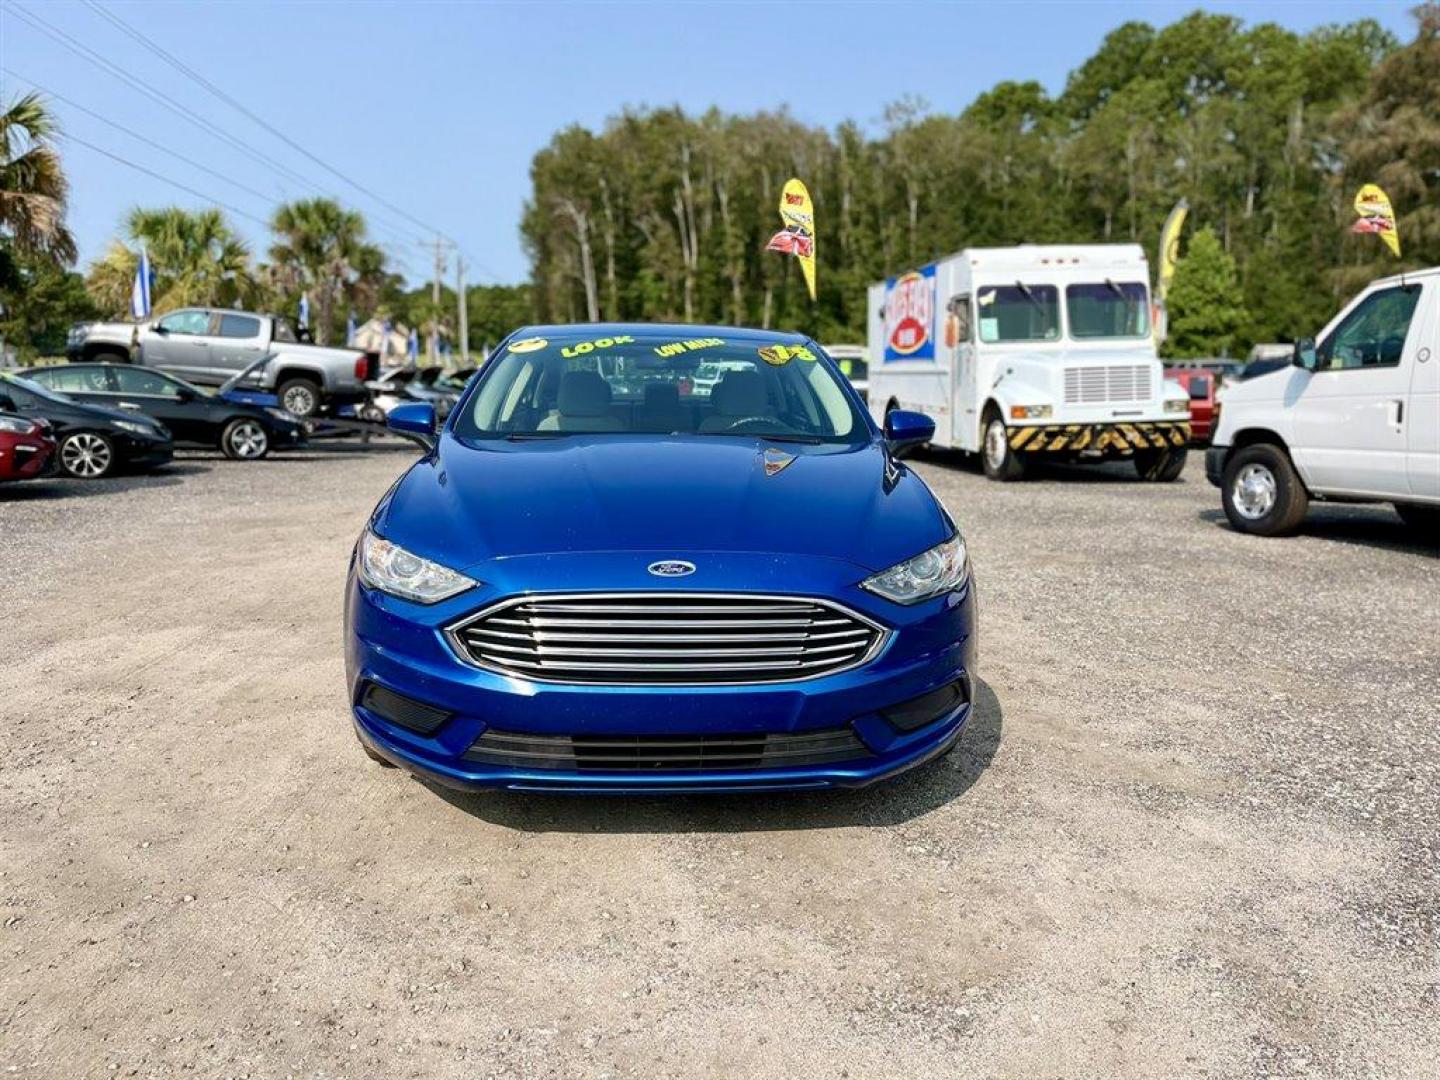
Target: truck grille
<point>651,753</point>
<point>1101,385</point>
<point>678,638</point>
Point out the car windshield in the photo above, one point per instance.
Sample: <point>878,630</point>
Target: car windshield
<point>1018,312</point>
<point>598,382</point>
<point>37,389</point>
<point>1109,309</point>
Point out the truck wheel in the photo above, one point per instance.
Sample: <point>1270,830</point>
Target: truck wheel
<point>1425,520</point>
<point>1262,493</point>
<point>1160,466</point>
<point>245,439</point>
<point>300,397</point>
<point>109,356</point>
<point>1001,463</point>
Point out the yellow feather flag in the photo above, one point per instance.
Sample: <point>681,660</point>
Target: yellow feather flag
<point>1170,248</point>
<point>1376,216</point>
<point>798,236</point>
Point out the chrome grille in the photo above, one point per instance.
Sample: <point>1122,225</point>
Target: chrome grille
<point>650,753</point>
<point>679,638</point>
<point>1101,385</point>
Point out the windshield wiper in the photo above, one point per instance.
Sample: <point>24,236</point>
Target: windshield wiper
<point>1110,284</point>
<point>526,436</point>
<point>809,440</point>
<point>1026,292</point>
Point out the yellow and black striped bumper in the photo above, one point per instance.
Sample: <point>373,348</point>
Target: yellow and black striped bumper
<point>1053,438</point>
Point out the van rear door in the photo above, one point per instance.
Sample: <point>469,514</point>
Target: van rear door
<point>1422,412</point>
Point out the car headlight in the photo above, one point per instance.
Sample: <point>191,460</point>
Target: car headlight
<point>1177,405</point>
<point>1031,412</point>
<point>391,569</point>
<point>138,429</point>
<point>15,426</point>
<point>281,414</point>
<point>941,569</point>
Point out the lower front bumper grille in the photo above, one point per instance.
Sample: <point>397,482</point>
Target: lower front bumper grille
<point>652,753</point>
<point>1070,438</point>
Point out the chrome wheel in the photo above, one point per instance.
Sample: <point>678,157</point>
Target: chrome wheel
<point>86,455</point>
<point>996,445</point>
<point>299,399</point>
<point>248,439</point>
<point>1254,491</point>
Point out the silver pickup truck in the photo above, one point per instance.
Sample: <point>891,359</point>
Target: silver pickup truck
<point>211,345</point>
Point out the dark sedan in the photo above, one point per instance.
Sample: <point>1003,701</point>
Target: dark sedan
<point>241,430</point>
<point>93,441</point>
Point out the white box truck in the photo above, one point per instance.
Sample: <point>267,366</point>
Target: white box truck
<point>1354,417</point>
<point>1027,352</point>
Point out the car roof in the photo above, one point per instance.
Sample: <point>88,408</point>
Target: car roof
<point>684,330</point>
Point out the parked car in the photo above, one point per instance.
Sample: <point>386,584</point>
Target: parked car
<point>1264,359</point>
<point>405,384</point>
<point>199,417</point>
<point>853,365</point>
<point>93,441</point>
<point>207,346</point>
<point>1199,384</point>
<point>745,591</point>
<point>1355,416</point>
<point>27,446</point>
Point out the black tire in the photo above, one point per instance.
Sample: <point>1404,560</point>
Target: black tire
<point>300,397</point>
<point>383,762</point>
<point>245,439</point>
<point>1262,493</point>
<point>1424,519</point>
<point>87,455</point>
<point>1160,466</point>
<point>109,356</point>
<point>1001,462</point>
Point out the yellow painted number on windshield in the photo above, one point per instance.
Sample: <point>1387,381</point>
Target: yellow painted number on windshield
<point>779,355</point>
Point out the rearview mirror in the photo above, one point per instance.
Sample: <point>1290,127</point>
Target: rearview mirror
<point>413,418</point>
<point>906,430</point>
<point>1304,355</point>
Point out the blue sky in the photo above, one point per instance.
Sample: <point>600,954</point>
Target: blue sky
<point>439,107</point>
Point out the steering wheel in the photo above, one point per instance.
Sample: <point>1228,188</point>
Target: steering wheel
<point>740,425</point>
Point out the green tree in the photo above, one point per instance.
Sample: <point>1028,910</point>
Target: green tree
<point>1206,304</point>
<point>322,250</point>
<point>40,300</point>
<point>195,256</point>
<point>33,188</point>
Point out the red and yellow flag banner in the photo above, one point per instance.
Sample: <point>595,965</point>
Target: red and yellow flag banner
<point>1376,216</point>
<point>798,236</point>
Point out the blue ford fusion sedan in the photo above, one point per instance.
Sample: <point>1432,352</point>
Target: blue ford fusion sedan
<point>643,558</point>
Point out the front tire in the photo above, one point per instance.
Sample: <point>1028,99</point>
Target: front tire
<point>1423,519</point>
<point>87,455</point>
<point>1001,462</point>
<point>300,397</point>
<point>1262,493</point>
<point>1160,466</point>
<point>245,439</point>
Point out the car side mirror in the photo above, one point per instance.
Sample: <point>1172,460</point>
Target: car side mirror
<point>158,328</point>
<point>7,403</point>
<point>1305,355</point>
<point>184,393</point>
<point>906,430</point>
<point>413,418</point>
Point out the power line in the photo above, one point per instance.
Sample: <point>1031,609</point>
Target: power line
<point>181,66</point>
<point>167,180</point>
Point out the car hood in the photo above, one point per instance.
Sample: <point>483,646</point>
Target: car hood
<point>471,502</point>
<point>1282,384</point>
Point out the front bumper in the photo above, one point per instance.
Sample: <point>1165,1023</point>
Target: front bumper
<point>1100,439</point>
<point>138,453</point>
<point>25,457</point>
<point>400,647</point>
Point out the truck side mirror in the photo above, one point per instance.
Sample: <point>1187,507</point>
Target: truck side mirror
<point>1305,355</point>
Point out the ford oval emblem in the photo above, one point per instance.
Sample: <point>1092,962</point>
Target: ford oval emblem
<point>671,568</point>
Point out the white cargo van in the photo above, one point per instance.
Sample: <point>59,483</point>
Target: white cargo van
<point>1027,352</point>
<point>1355,417</point>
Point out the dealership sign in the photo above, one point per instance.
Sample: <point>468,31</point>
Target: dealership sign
<point>910,316</point>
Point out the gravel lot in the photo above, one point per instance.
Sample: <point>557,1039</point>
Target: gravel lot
<point>1194,830</point>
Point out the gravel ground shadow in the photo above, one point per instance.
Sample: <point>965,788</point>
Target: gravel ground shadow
<point>885,804</point>
<point>1367,526</point>
<point>63,487</point>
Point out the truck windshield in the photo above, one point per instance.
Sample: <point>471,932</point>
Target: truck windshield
<point>1109,309</point>
<point>1019,312</point>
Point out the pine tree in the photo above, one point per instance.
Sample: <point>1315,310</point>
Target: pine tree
<point>1206,303</point>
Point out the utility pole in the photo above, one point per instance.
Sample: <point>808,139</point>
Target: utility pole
<point>435,296</point>
<point>464,310</point>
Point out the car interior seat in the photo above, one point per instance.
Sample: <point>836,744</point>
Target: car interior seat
<point>661,410</point>
<point>583,403</point>
<point>740,394</point>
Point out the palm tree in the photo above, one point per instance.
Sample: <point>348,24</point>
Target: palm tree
<point>322,251</point>
<point>33,188</point>
<point>196,257</point>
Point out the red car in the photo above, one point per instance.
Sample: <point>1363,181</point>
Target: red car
<point>27,447</point>
<point>1200,385</point>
